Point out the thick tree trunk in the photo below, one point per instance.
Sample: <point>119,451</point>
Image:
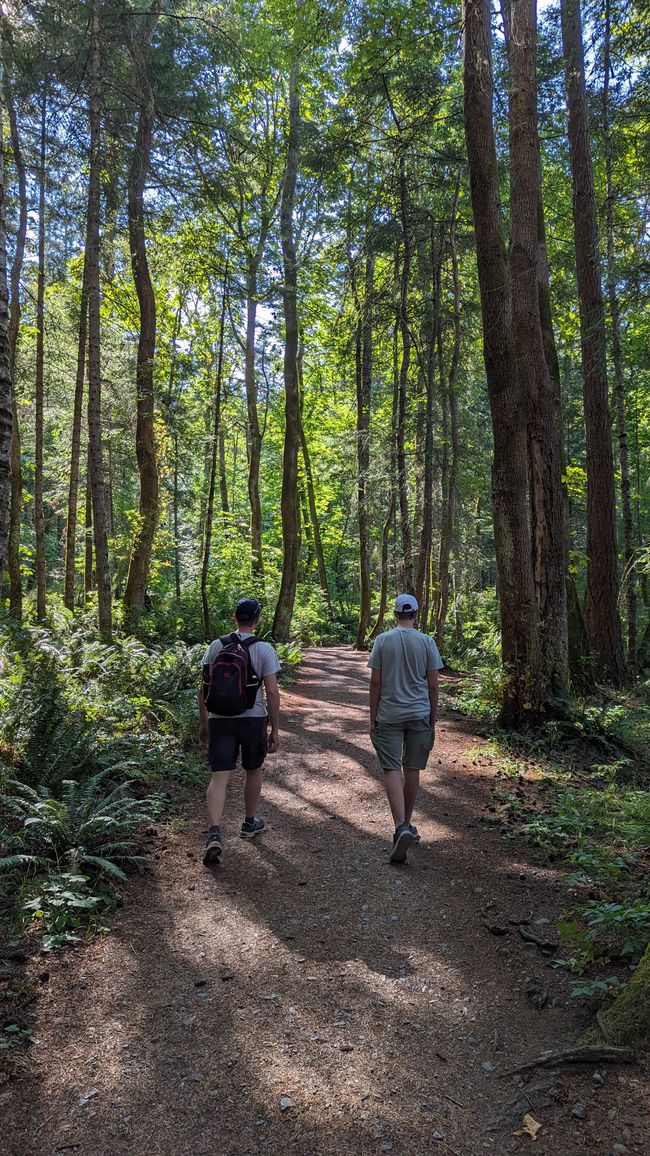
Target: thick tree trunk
<point>544,459</point>
<point>6,391</point>
<point>136,586</point>
<point>39,514</point>
<point>254,435</point>
<point>96,464</point>
<point>75,452</point>
<point>223,480</point>
<point>177,553</point>
<point>89,578</point>
<point>508,407</point>
<point>289,498</point>
<point>311,494</point>
<point>13,557</point>
<point>629,554</point>
<point>390,516</point>
<point>628,1019</point>
<point>601,598</point>
<point>209,514</point>
<point>364,393</point>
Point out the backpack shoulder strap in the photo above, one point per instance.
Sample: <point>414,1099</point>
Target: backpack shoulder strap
<point>246,642</point>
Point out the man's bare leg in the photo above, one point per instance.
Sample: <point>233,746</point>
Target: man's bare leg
<point>252,791</point>
<point>395,790</point>
<point>411,786</point>
<point>216,796</point>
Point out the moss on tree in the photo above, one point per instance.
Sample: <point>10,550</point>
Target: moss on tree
<point>628,1019</point>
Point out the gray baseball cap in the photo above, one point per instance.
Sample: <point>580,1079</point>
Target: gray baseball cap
<point>404,603</point>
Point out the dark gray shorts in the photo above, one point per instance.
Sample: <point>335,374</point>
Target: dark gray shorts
<point>403,744</point>
<point>228,736</point>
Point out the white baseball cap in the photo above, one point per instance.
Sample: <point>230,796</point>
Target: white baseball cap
<point>404,603</point>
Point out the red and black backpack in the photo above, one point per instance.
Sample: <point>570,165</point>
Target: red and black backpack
<point>230,684</point>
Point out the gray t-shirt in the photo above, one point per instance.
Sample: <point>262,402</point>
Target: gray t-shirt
<point>264,661</point>
<point>404,656</point>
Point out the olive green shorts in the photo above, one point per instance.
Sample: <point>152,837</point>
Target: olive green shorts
<point>404,744</point>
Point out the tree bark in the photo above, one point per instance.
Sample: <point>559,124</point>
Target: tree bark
<point>402,478</point>
<point>550,682</point>
<point>96,464</point>
<point>254,436</point>
<point>289,498</point>
<point>39,514</point>
<point>601,598</point>
<point>508,408</point>
<point>311,494</point>
<point>6,391</point>
<point>430,280</point>
<point>136,586</point>
<point>364,393</point>
<point>13,557</point>
<point>209,514</point>
<point>629,553</point>
<point>449,504</point>
<point>75,452</point>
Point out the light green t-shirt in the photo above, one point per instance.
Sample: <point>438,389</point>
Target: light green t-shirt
<point>404,656</point>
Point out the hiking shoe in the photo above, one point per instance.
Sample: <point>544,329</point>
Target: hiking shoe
<point>213,849</point>
<point>402,840</point>
<point>252,827</point>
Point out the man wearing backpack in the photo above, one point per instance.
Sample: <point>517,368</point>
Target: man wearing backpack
<point>239,670</point>
<point>403,707</point>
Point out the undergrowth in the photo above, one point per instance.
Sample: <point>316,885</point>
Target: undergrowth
<point>578,793</point>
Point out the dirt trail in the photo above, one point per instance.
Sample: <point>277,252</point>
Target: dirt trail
<point>306,997</point>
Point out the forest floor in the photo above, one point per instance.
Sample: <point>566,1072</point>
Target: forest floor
<point>307,997</point>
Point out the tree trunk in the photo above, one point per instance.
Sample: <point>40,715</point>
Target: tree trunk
<point>254,436</point>
<point>75,452</point>
<point>508,408</point>
<point>448,512</point>
<point>402,478</point>
<point>390,516</point>
<point>13,558</point>
<point>39,515</point>
<point>311,495</point>
<point>629,577</point>
<point>601,598</point>
<point>177,556</point>
<point>628,1019</point>
<point>223,481</point>
<point>430,278</point>
<point>364,393</point>
<point>289,498</point>
<point>209,514</point>
<point>89,580</point>
<point>96,464</point>
<point>140,562</point>
<point>550,682</point>
<point>6,391</point>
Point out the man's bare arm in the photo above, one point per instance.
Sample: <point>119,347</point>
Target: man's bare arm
<point>272,692</point>
<point>203,717</point>
<point>375,694</point>
<point>432,682</point>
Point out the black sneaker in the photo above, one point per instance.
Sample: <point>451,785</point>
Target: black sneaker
<point>252,827</point>
<point>213,849</point>
<point>402,840</point>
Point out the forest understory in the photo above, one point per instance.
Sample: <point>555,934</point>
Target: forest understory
<point>306,997</point>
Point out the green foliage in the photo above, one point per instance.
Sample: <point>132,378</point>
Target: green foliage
<point>83,828</point>
<point>64,906</point>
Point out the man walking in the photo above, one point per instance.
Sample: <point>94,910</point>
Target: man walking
<point>403,707</point>
<point>245,676</point>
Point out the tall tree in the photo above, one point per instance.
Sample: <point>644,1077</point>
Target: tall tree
<point>629,553</point>
<point>508,406</point>
<point>13,549</point>
<point>6,420</point>
<point>289,498</point>
<point>601,597</point>
<point>544,456</point>
<point>95,452</point>
<point>136,586</point>
<point>39,514</point>
<point>75,451</point>
<point>216,430</point>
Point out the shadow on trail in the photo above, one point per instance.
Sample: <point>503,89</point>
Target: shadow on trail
<point>304,967</point>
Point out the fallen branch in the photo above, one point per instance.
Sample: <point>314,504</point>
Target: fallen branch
<point>585,1054</point>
